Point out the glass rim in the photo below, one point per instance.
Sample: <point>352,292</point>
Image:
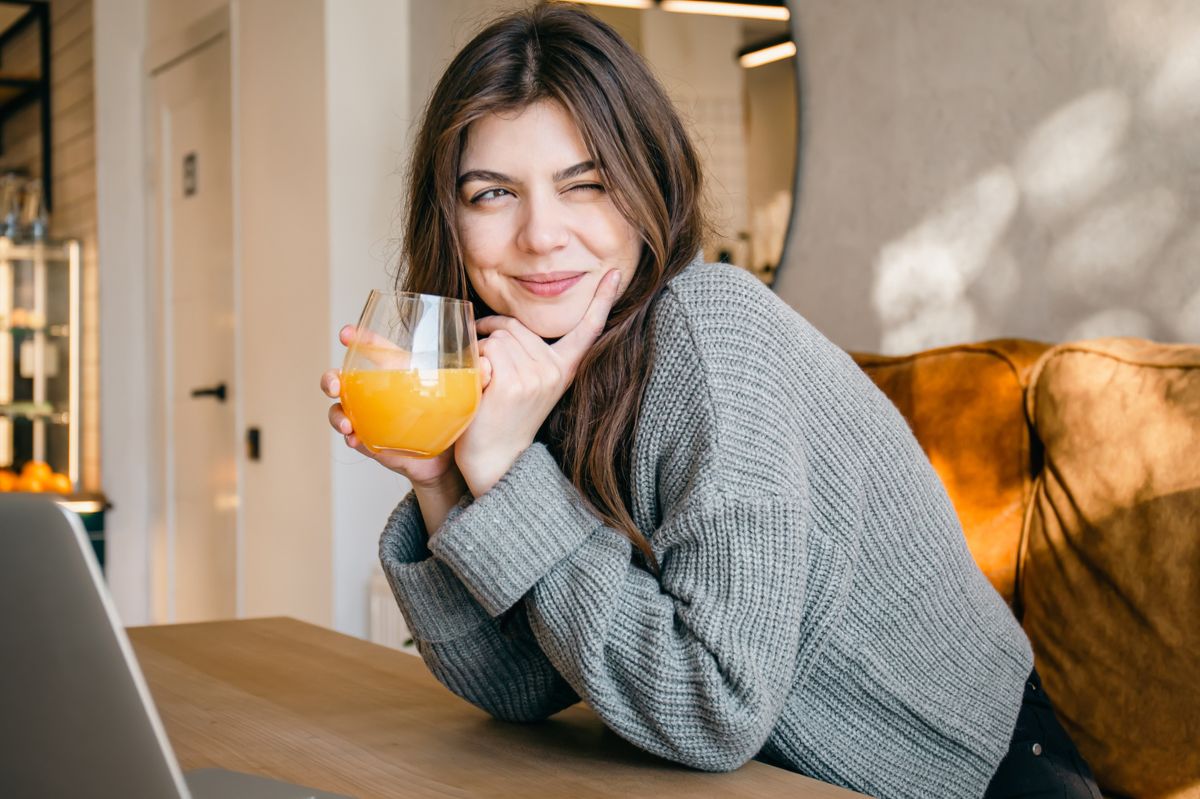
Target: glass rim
<point>423,297</point>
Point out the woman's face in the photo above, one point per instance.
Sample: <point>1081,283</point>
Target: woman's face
<point>538,229</point>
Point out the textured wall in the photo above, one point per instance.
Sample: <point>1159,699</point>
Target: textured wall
<point>1017,168</point>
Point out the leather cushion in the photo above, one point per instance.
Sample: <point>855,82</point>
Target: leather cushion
<point>965,404</point>
<point>1109,583</point>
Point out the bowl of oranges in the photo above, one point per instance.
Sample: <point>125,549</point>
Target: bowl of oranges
<point>35,477</point>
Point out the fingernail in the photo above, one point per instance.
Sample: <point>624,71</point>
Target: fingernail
<point>344,426</point>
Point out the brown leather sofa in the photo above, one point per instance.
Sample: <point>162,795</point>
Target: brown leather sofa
<point>1075,470</point>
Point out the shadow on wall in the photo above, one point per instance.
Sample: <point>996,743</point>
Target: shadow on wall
<point>1120,246</point>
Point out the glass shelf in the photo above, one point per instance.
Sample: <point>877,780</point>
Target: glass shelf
<point>29,410</point>
<point>34,252</point>
<point>54,331</point>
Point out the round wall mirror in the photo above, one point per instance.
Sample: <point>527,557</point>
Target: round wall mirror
<point>734,80</point>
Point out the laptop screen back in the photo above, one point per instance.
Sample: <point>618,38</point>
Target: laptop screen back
<point>76,718</point>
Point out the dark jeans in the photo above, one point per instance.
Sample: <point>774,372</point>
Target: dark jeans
<point>1042,762</point>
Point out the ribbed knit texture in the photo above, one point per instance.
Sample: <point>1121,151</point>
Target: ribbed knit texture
<point>817,606</point>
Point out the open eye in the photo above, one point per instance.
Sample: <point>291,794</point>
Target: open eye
<point>489,195</point>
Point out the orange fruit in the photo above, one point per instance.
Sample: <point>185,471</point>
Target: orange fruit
<point>8,480</point>
<point>27,482</point>
<point>59,484</point>
<point>37,469</point>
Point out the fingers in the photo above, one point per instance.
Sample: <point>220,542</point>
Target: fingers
<point>353,443</point>
<point>572,347</point>
<point>378,350</point>
<point>485,370</point>
<point>500,356</point>
<point>331,383</point>
<point>350,334</point>
<point>531,342</point>
<point>338,420</point>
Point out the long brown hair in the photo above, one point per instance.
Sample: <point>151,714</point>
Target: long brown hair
<point>555,51</point>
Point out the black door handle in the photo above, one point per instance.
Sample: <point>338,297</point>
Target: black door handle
<point>217,391</point>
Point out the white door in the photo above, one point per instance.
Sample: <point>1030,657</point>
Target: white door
<point>195,574</point>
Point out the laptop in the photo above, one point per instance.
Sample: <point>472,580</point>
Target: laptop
<point>76,717</point>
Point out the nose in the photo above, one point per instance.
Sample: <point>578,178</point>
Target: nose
<point>543,227</point>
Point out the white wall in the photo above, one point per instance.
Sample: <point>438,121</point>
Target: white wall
<point>444,27</point>
<point>323,127</point>
<point>119,41</point>
<point>165,19</point>
<point>281,179</point>
<point>997,169</point>
<point>367,90</point>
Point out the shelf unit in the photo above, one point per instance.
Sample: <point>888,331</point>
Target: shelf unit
<point>40,355</point>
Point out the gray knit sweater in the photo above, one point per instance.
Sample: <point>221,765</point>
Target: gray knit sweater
<point>817,607</point>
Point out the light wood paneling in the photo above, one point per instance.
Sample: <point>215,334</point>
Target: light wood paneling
<point>68,91</point>
<point>76,153</point>
<point>59,9</point>
<point>70,27</point>
<point>74,120</point>
<point>77,53</point>
<point>78,119</point>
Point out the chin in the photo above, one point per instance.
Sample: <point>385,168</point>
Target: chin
<point>551,322</point>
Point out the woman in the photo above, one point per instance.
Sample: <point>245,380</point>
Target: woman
<point>677,501</point>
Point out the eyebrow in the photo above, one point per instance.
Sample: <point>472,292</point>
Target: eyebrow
<point>488,176</point>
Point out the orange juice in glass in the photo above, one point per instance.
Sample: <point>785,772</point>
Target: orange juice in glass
<point>410,380</point>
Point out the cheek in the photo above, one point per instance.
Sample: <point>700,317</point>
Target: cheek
<point>627,248</point>
<point>484,248</point>
<point>612,238</point>
<point>483,240</point>
<point>632,244</point>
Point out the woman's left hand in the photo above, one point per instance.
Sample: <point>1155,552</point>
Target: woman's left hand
<point>527,379</point>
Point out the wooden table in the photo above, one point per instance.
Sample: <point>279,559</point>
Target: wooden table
<point>300,703</point>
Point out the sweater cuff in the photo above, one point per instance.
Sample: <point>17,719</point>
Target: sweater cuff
<point>508,539</point>
<point>434,602</point>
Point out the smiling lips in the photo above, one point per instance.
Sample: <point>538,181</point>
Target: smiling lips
<point>550,284</point>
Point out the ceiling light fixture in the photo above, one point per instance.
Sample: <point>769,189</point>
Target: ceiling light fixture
<point>620,3</point>
<point>746,8</point>
<point>766,52</point>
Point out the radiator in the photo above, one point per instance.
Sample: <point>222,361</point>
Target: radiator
<point>387,624</point>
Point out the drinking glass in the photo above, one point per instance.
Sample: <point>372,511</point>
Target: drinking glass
<point>410,381</point>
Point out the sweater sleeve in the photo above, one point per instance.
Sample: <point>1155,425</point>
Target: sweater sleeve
<point>694,664</point>
<point>497,667</point>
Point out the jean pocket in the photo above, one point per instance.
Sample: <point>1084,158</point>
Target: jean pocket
<point>1028,772</point>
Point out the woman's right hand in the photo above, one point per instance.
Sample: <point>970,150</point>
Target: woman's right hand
<point>424,472</point>
<point>434,472</point>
